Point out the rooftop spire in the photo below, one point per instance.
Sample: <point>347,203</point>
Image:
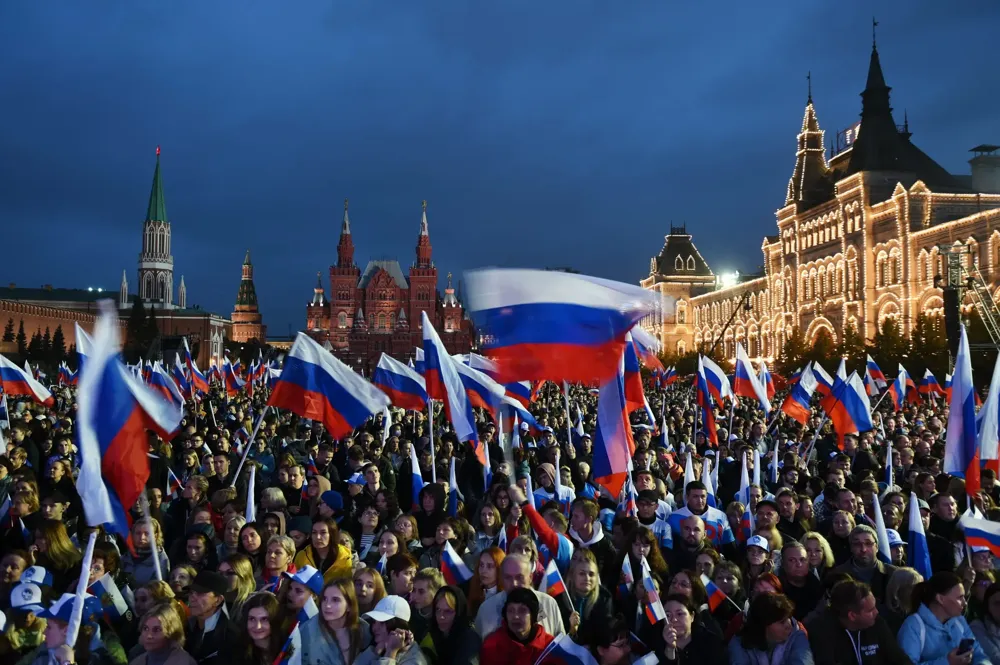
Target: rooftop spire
<point>877,147</point>
<point>423,220</point>
<point>346,226</point>
<point>157,210</point>
<point>246,261</point>
<point>809,84</point>
<point>809,184</point>
<point>874,25</point>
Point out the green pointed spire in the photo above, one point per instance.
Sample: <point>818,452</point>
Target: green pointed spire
<point>157,211</point>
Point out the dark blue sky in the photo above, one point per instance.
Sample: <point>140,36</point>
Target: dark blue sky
<point>556,133</point>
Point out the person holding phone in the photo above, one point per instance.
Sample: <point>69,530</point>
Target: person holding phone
<point>935,631</point>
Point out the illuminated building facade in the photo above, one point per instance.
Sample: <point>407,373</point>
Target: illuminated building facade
<point>378,309</point>
<point>857,241</point>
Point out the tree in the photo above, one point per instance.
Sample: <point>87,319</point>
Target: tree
<point>46,346</point>
<point>71,357</point>
<point>792,354</point>
<point>852,348</point>
<point>151,330</point>
<point>8,331</point>
<point>135,331</point>
<point>928,347</point>
<point>823,350</point>
<point>58,345</point>
<point>889,347</point>
<point>21,339</point>
<point>35,346</point>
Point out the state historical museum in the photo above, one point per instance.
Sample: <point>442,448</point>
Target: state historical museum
<point>378,309</point>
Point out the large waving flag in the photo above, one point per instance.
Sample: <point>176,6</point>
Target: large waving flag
<point>444,383</point>
<point>988,424</point>
<point>417,479</point>
<point>767,381</point>
<point>83,344</point>
<point>798,403</point>
<point>898,388</point>
<point>164,384</point>
<point>554,325</point>
<point>961,454</point>
<point>980,532</point>
<point>745,383</point>
<point>197,380</point>
<point>635,398</point>
<point>876,373</point>
<point>512,409</point>
<point>179,375</point>
<point>704,401</point>
<point>647,346</point>
<point>929,385</point>
<point>613,443</point>
<point>520,391</point>
<point>314,384</point>
<point>824,382</point>
<point>231,379</point>
<point>114,411</point>
<point>452,567</point>
<point>718,382</point>
<point>404,386</point>
<point>481,390</point>
<point>918,555</point>
<point>15,381</point>
<point>848,406</point>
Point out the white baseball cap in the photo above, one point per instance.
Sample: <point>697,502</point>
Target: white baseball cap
<point>894,538</point>
<point>390,607</point>
<point>759,541</point>
<point>26,597</point>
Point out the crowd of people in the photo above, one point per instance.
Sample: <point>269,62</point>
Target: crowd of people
<point>340,564</point>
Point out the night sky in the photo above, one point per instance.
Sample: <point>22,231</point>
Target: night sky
<point>555,133</point>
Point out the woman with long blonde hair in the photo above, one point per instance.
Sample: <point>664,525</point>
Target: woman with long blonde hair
<point>592,603</point>
<point>339,634</point>
<point>238,571</point>
<point>55,552</point>
<point>486,580</point>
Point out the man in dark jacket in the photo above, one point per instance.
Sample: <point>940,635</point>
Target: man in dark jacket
<point>851,632</point>
<point>208,628</point>
<point>863,565</point>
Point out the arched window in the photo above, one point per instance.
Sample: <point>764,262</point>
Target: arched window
<point>342,320</point>
<point>682,313</point>
<point>381,321</point>
<point>681,347</point>
<point>678,263</point>
<point>690,265</point>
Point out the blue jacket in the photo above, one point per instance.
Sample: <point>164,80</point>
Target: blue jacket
<point>927,641</point>
<point>796,652</point>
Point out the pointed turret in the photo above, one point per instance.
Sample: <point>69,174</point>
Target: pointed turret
<point>424,241</point>
<point>449,295</point>
<point>182,294</point>
<point>345,248</point>
<point>123,292</point>
<point>878,146</point>
<point>157,210</point>
<point>319,297</point>
<point>247,320</point>
<point>809,183</point>
<point>401,320</point>
<point>359,319</point>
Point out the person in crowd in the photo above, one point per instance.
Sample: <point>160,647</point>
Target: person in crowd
<point>515,573</point>
<point>392,639</point>
<point>864,565</point>
<point>161,637</point>
<point>451,638</point>
<point>987,628</point>
<point>935,628</point>
<point>520,638</point>
<point>208,628</point>
<point>850,630</point>
<point>771,634</point>
<point>685,640</point>
<point>338,634</point>
<point>324,551</point>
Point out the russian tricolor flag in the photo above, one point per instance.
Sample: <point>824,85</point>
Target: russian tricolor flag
<point>444,383</point>
<point>613,443</point>
<point>929,385</point>
<point>647,346</point>
<point>824,382</point>
<point>980,532</point>
<point>164,384</point>
<point>84,344</point>
<point>417,479</point>
<point>988,419</point>
<point>114,410</point>
<point>180,378</point>
<point>716,596</point>
<point>897,389</point>
<point>917,553</point>
<point>876,373</point>
<point>452,567</point>
<point>794,378</point>
<point>670,376</point>
<point>718,382</point>
<point>482,391</point>
<point>766,380</point>
<point>404,386</point>
<point>947,387</point>
<point>798,403</point>
<point>521,391</point>
<point>314,384</point>
<point>654,608</point>
<point>231,378</point>
<point>961,454</point>
<point>197,380</point>
<point>848,406</point>
<point>745,382</point>
<point>15,381</point>
<point>554,325</point>
<point>418,360</point>
<point>635,398</point>
<point>704,401</point>
<point>552,582</point>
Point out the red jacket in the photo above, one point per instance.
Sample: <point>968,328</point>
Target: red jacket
<point>499,648</point>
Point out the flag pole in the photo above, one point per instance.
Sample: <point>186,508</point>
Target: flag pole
<point>430,434</point>
<point>569,426</point>
<point>75,619</point>
<point>256,428</point>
